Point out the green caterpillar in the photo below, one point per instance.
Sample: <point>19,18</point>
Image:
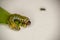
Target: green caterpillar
<point>15,21</point>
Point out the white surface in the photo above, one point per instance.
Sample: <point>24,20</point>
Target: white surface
<point>44,23</point>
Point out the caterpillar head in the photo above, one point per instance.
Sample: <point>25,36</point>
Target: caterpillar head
<point>16,21</point>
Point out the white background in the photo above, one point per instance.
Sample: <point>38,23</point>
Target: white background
<point>45,24</point>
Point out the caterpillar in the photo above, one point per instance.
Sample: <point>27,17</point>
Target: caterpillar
<point>15,21</point>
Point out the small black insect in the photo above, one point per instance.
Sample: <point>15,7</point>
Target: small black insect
<point>42,9</point>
